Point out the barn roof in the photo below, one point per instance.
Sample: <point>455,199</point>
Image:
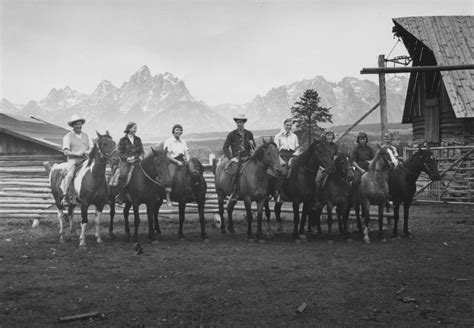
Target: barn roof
<point>451,39</point>
<point>33,129</point>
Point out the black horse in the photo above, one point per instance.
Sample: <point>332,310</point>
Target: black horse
<point>300,186</point>
<point>337,191</point>
<point>189,186</point>
<point>402,183</point>
<point>147,177</point>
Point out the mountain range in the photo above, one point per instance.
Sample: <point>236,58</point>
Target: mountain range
<point>157,102</point>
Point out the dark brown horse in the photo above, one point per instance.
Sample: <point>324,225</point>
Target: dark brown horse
<point>402,183</point>
<point>149,176</point>
<point>300,187</point>
<point>189,186</point>
<point>91,187</point>
<point>254,185</point>
<point>373,189</point>
<point>337,192</point>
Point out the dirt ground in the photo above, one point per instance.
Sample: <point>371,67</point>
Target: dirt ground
<point>425,281</point>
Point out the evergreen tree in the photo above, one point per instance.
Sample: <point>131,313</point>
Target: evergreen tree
<point>308,113</point>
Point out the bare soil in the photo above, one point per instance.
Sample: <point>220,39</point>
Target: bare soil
<point>423,281</point>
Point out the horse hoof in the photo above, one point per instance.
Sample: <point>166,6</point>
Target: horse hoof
<point>111,235</point>
<point>262,241</point>
<point>100,241</point>
<point>232,232</point>
<point>62,241</point>
<point>303,237</point>
<point>408,235</point>
<point>384,240</point>
<point>250,240</point>
<point>82,247</point>
<point>298,241</point>
<point>223,231</point>
<point>330,242</point>
<point>155,242</point>
<point>205,240</point>
<point>367,241</point>
<point>349,240</point>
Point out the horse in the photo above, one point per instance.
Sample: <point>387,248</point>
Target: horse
<point>254,185</point>
<point>402,183</point>
<point>373,189</point>
<point>91,187</point>
<point>337,192</point>
<point>189,185</point>
<point>149,176</point>
<point>300,186</point>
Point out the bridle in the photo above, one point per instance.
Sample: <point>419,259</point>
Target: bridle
<point>157,182</point>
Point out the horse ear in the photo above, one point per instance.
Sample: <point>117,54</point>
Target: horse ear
<point>107,133</point>
<point>428,147</point>
<point>264,140</point>
<point>153,150</point>
<point>378,146</point>
<point>98,134</point>
<point>271,139</point>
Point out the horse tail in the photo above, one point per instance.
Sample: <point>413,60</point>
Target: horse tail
<point>47,167</point>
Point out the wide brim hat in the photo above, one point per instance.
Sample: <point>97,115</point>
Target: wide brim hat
<point>75,118</point>
<point>240,117</point>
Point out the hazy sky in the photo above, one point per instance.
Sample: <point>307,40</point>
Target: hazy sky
<point>225,51</point>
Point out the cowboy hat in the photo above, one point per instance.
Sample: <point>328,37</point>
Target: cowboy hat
<point>240,117</point>
<point>75,118</point>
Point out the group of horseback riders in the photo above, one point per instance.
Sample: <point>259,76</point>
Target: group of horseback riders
<point>238,147</point>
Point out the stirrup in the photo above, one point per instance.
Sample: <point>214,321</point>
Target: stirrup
<point>119,199</point>
<point>234,197</point>
<point>168,201</point>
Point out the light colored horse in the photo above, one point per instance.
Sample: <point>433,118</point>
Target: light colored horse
<point>373,189</point>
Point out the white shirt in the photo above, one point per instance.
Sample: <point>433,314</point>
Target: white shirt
<point>286,141</point>
<point>176,147</point>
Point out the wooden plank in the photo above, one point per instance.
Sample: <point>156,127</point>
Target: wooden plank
<point>29,189</point>
<point>25,194</point>
<point>4,183</point>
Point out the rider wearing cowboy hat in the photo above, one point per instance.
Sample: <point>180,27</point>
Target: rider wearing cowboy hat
<point>238,147</point>
<point>130,150</point>
<point>76,146</point>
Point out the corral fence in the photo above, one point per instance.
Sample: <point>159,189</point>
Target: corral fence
<point>456,165</point>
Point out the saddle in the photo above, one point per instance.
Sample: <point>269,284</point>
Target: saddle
<point>113,182</point>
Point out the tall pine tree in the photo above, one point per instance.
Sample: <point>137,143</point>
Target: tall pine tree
<point>308,113</point>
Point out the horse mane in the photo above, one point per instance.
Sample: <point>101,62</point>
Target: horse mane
<point>259,152</point>
<point>197,165</point>
<point>305,156</point>
<point>373,162</point>
<point>92,154</point>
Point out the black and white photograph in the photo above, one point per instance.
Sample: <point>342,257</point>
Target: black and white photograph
<point>254,163</point>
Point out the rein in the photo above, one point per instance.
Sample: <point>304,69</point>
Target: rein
<point>159,183</point>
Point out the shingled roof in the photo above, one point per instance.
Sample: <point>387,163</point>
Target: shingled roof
<point>33,129</point>
<point>451,39</point>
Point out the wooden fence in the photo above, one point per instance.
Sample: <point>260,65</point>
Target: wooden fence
<point>457,185</point>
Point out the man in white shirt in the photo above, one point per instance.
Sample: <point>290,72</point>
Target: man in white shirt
<point>177,153</point>
<point>76,146</point>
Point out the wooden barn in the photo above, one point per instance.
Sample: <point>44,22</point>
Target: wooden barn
<point>29,136</point>
<point>439,104</point>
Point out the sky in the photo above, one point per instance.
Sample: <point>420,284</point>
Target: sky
<point>225,51</point>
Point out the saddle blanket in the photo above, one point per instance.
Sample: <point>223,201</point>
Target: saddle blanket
<point>113,182</point>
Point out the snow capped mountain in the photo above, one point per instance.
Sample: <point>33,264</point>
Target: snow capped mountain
<point>348,99</point>
<point>158,102</point>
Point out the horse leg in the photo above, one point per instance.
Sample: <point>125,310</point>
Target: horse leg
<point>136,221</point>
<point>248,210</point>
<point>366,214</point>
<point>345,221</point>
<point>396,217</point>
<point>126,213</point>
<point>150,212</point>
<point>112,214</point>
<point>182,207</point>
<point>296,219</point>
<point>304,216</point>
<point>230,210</point>
<point>268,216</point>
<point>329,213</point>
<point>277,210</point>
<point>260,236</point>
<point>84,221</point>
<point>318,212</point>
<point>202,222</point>
<point>98,215</point>
<point>406,211</point>
<point>62,240</point>
<point>220,211</point>
<point>381,232</point>
<point>357,213</point>
<point>156,223</point>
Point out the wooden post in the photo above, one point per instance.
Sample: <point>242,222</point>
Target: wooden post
<point>383,99</point>
<point>357,122</point>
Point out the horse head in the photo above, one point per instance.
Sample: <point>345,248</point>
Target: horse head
<point>343,167</point>
<point>385,159</point>
<point>160,163</point>
<point>429,164</point>
<point>105,145</point>
<point>269,155</point>
<point>325,154</point>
